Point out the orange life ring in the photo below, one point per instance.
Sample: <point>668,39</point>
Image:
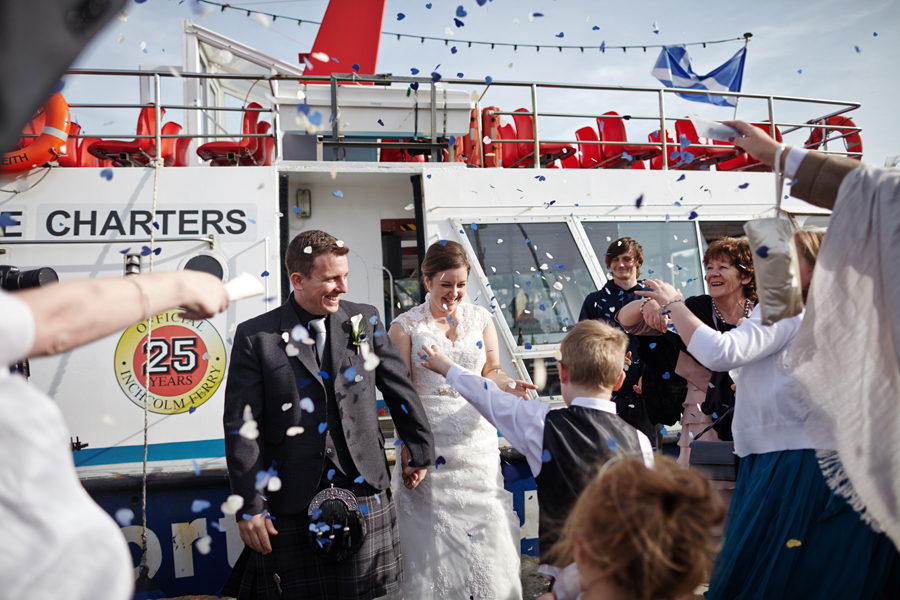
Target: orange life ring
<point>48,145</point>
<point>853,140</point>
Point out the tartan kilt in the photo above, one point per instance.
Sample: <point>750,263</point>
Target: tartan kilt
<point>375,570</point>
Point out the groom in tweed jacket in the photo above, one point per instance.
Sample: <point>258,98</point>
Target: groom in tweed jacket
<point>290,385</point>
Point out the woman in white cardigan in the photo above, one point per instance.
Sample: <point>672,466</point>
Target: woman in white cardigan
<point>787,534</point>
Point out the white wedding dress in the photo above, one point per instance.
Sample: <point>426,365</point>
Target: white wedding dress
<point>458,533</point>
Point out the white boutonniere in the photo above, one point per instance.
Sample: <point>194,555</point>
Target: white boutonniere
<point>358,332</point>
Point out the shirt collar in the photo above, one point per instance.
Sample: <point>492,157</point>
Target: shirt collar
<point>603,404</point>
<point>304,315</point>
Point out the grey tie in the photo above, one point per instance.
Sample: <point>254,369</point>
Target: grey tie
<point>318,325</point>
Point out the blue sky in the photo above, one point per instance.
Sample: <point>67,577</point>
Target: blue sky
<point>817,38</point>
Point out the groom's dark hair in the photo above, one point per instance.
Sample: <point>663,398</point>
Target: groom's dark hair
<point>298,260</point>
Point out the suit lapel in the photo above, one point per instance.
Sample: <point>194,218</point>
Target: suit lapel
<point>307,352</point>
<point>339,336</point>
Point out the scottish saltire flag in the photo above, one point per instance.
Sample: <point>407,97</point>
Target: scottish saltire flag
<point>673,69</point>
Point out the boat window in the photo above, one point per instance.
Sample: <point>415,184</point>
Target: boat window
<point>553,388</point>
<point>538,277</point>
<point>663,244</point>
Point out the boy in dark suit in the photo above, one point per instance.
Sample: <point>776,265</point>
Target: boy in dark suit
<point>300,407</point>
<point>563,447</point>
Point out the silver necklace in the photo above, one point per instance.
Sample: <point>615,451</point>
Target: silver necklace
<point>741,320</point>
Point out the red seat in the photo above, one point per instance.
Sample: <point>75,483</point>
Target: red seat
<point>571,162</point>
<point>181,148</point>
<point>490,125</point>
<point>613,130</point>
<point>167,146</point>
<point>85,158</point>
<point>396,154</point>
<point>264,149</point>
<point>510,151</point>
<point>548,152</point>
<point>671,148</point>
<point>231,153</point>
<point>122,153</point>
<point>702,156</point>
<point>590,153</point>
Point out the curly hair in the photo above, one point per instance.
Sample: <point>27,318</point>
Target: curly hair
<point>648,531</point>
<point>735,251</point>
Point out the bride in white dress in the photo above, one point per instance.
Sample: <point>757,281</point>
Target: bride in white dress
<point>458,533</point>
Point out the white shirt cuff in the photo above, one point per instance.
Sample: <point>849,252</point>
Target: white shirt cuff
<point>792,161</point>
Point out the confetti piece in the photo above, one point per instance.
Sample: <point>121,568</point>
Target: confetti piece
<point>286,406</point>
<point>561,35</point>
<point>401,16</point>
<point>762,252</point>
<point>611,443</point>
<point>359,479</point>
<point>744,186</point>
<point>793,543</point>
<point>545,457</point>
<point>800,71</point>
<point>428,6</point>
<point>533,16</point>
<point>461,12</point>
<point>350,374</point>
<point>488,80</point>
<point>107,174</point>
<point>323,427</point>
<point>232,504</point>
<point>143,45</point>
<point>198,506</point>
<point>666,375</point>
<point>380,122</point>
<point>124,516</point>
<point>364,509</point>
<point>693,215</point>
<point>355,67</point>
<point>307,405</point>
<point>337,194</point>
<point>448,31</point>
<point>528,345</point>
<point>639,201</point>
<point>474,226</point>
<point>655,28</point>
<point>307,250</point>
<point>292,431</point>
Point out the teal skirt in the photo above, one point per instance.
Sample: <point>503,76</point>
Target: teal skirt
<point>789,536</point>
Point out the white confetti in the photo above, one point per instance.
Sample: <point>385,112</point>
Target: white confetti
<point>301,95</point>
<point>286,406</point>
<point>143,45</point>
<point>494,269</point>
<point>232,504</point>
<point>370,359</point>
<point>274,484</point>
<point>557,286</point>
<point>670,265</point>
<point>121,38</point>
<point>499,240</point>
<point>285,336</point>
<point>298,333</point>
<point>544,267</point>
<point>339,243</point>
<point>203,544</point>
<point>512,385</point>
<point>486,139</point>
<point>448,31</point>
<point>320,56</point>
<point>550,256</point>
<point>249,430</point>
<point>292,350</point>
<point>409,206</point>
<point>263,20</point>
<point>124,516</point>
<point>292,431</point>
<point>123,16</point>
<point>307,250</point>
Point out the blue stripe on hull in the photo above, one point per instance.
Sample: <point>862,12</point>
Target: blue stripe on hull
<point>135,454</point>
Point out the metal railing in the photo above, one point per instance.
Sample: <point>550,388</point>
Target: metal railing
<point>435,143</point>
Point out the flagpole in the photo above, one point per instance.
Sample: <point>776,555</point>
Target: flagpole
<point>747,37</point>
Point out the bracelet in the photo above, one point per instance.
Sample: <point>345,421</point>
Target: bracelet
<point>144,295</point>
<point>643,302</point>
<point>663,307</point>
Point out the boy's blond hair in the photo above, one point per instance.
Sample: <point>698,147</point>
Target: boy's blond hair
<point>594,354</point>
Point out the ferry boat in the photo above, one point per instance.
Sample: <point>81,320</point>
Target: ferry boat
<point>389,164</point>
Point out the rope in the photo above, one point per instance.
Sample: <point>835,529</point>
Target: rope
<point>447,41</point>
<point>157,164</point>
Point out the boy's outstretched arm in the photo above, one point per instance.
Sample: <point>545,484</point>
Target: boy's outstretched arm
<point>520,421</point>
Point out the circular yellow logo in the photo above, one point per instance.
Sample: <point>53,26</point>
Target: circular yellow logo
<point>186,363</point>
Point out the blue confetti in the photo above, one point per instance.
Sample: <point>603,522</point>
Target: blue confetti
<point>799,71</point>
<point>480,344</point>
<point>488,80</point>
<point>666,375</point>
<point>380,333</point>
<point>684,142</point>
<point>715,416</point>
<point>230,343</point>
<point>428,177</point>
<point>545,457</point>
<point>414,71</point>
<point>540,178</point>
<point>744,186</point>
<point>398,442</point>
<point>453,51</point>
<point>626,117</point>
<point>461,12</point>
<point>380,122</point>
<point>528,345</point>
<point>350,374</point>
<point>482,2</point>
<point>323,375</point>
<point>536,15</point>
<point>331,473</point>
<point>428,6</point>
<point>406,410</point>
<point>444,242</point>
<point>296,210</point>
<point>316,513</point>
<point>355,67</point>
<point>364,509</point>
<point>337,194</point>
<point>561,35</point>
<point>474,226</point>
<point>663,430</point>
<point>602,48</point>
<point>611,443</point>
<point>304,108</point>
<point>191,410</point>
<point>627,156</point>
<point>527,283</point>
<point>435,77</point>
<point>460,75</point>
<point>680,179</point>
<point>639,201</point>
<point>199,506</point>
<point>6,220</point>
<point>542,307</point>
<point>762,252</point>
<point>107,174</point>
<point>693,215</point>
<point>452,140</point>
<point>323,427</point>
<point>264,274</point>
<point>246,516</point>
<point>595,28</point>
<point>196,466</point>
<point>400,16</point>
<point>125,251</point>
<point>652,345</point>
<point>359,479</point>
<point>440,460</point>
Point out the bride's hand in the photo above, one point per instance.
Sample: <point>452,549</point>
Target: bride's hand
<point>435,360</point>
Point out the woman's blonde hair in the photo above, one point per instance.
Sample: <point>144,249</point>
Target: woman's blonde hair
<point>648,531</point>
<point>809,241</point>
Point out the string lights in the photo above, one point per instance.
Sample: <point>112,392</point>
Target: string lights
<point>602,48</point>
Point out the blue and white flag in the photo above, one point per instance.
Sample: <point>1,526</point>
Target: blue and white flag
<point>673,69</point>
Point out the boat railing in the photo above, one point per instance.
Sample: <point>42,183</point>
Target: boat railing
<point>435,142</point>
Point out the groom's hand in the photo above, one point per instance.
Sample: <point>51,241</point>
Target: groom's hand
<point>412,476</point>
<point>255,533</point>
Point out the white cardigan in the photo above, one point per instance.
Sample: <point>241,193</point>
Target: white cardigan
<point>767,417</point>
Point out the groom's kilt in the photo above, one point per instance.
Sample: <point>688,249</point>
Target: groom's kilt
<point>373,571</point>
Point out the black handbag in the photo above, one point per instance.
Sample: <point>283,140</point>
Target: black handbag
<point>716,460</point>
<point>336,525</point>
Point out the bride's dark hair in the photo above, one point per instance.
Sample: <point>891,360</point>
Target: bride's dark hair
<point>442,256</point>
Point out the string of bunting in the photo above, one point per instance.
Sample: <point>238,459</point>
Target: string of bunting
<point>602,47</point>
